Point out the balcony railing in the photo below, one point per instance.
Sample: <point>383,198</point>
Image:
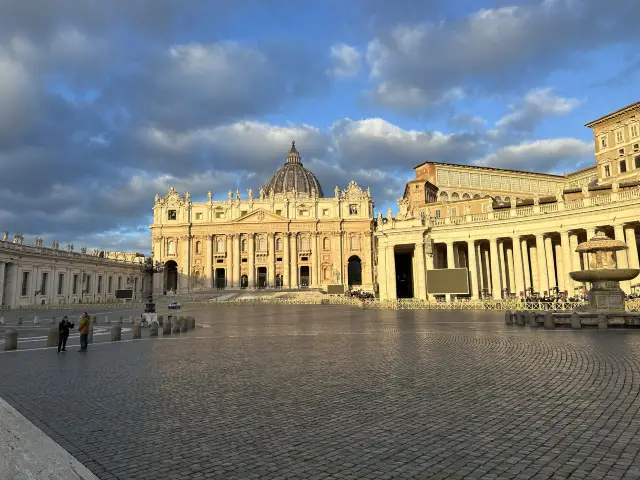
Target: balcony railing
<point>63,253</point>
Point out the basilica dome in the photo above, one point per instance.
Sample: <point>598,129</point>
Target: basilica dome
<point>293,176</point>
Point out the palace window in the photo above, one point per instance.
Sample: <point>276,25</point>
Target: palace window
<point>43,283</point>
<point>353,209</point>
<point>454,212</point>
<point>634,130</point>
<point>621,152</point>
<point>607,171</point>
<point>325,243</point>
<point>444,197</point>
<point>244,244</point>
<point>304,213</point>
<point>304,243</point>
<point>325,212</point>
<point>438,213</point>
<point>603,142</point>
<point>262,244</point>
<point>74,290</point>
<point>171,248</point>
<point>199,216</point>
<point>279,244</point>
<point>637,162</point>
<point>623,166</point>
<point>619,136</point>
<point>171,215</point>
<point>198,247</point>
<point>220,246</point>
<point>243,213</point>
<point>219,214</point>
<point>25,283</point>
<point>60,283</point>
<point>279,212</point>
<point>636,147</point>
<point>327,273</point>
<point>455,197</point>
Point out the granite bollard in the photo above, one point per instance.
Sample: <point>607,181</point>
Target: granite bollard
<point>549,322</point>
<point>1,320</point>
<point>507,317</point>
<point>153,329</point>
<point>520,319</point>
<point>192,324</point>
<point>120,322</point>
<point>116,333</point>
<point>602,321</point>
<point>166,327</point>
<point>106,320</point>
<point>160,320</point>
<point>11,340</point>
<point>175,325</point>
<point>130,319</point>
<point>19,321</point>
<point>36,320</point>
<point>53,337</point>
<point>184,324</point>
<point>532,319</point>
<point>137,330</point>
<point>575,320</point>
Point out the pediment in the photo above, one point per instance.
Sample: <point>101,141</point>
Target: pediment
<point>261,216</point>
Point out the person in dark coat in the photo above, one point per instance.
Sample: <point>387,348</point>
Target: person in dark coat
<point>63,328</point>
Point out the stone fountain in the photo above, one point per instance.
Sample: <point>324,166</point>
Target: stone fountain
<point>605,295</point>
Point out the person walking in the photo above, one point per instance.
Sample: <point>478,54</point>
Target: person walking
<point>63,330</point>
<point>83,328</point>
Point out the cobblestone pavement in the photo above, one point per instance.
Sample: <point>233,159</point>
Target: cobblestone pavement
<point>314,392</point>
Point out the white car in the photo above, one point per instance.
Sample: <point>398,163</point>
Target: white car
<point>174,305</point>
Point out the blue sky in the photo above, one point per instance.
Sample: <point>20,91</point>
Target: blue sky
<point>104,104</point>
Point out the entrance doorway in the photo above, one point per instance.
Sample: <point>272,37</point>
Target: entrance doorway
<point>354,271</point>
<point>221,279</point>
<point>244,281</point>
<point>404,274</point>
<point>262,277</point>
<point>304,276</point>
<point>279,281</point>
<point>170,276</point>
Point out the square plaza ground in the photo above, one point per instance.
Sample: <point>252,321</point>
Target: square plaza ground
<point>337,392</point>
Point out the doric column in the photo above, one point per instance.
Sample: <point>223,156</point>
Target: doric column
<point>285,260</point>
<point>526,268</point>
<point>502,253</point>
<point>2,274</point>
<point>621,256</point>
<point>229,261</point>
<point>632,253</point>
<point>495,268</point>
<point>251,260</point>
<point>560,266</point>
<point>575,257</point>
<point>551,270</point>
<point>421,287</point>
<point>315,254</point>
<point>512,277</point>
<point>478,250</point>
<point>518,268</point>
<point>451,262</point>
<point>392,293</point>
<point>272,259</point>
<point>294,260</point>
<point>489,279</point>
<point>543,279</point>
<point>473,269</point>
<point>209,260</point>
<point>565,245</point>
<point>237,260</point>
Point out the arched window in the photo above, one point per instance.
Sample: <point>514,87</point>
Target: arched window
<point>304,243</point>
<point>171,248</point>
<point>220,246</point>
<point>326,273</point>
<point>444,197</point>
<point>476,196</point>
<point>507,200</point>
<point>455,197</point>
<point>198,247</point>
<point>279,244</point>
<point>325,243</point>
<point>498,200</point>
<point>355,243</point>
<point>244,244</point>
<point>466,196</point>
<point>262,244</point>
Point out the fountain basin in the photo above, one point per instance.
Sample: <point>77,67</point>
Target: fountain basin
<point>605,275</point>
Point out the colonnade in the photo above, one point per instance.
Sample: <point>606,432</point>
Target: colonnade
<point>540,262</point>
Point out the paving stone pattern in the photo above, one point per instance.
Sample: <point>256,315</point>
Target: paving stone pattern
<point>315,392</point>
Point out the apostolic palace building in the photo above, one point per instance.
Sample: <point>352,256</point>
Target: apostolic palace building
<point>462,232</point>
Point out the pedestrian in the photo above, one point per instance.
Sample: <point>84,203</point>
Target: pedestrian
<point>83,328</point>
<point>63,330</point>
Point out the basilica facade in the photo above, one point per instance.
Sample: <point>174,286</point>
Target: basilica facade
<point>287,234</point>
<point>513,233</point>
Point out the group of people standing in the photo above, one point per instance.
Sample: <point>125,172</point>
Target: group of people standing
<point>83,328</point>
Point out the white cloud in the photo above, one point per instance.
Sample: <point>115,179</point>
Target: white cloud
<point>347,60</point>
<point>537,105</point>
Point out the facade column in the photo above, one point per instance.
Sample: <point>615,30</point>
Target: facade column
<point>315,265</point>
<point>272,259</point>
<point>621,256</point>
<point>495,269</point>
<point>518,268</point>
<point>473,269</point>
<point>237,260</point>
<point>229,256</point>
<point>2,281</point>
<point>392,292</point>
<point>451,263</point>
<point>285,260</point>
<point>294,260</point>
<point>543,279</point>
<point>526,268</point>
<point>487,270</point>
<point>502,254</point>
<point>209,261</point>
<point>632,253</point>
<point>561,267</point>
<point>567,266</point>
<point>512,277</point>
<point>478,250</point>
<point>252,261</point>
<point>548,253</point>
<point>420,291</point>
<point>575,258</point>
